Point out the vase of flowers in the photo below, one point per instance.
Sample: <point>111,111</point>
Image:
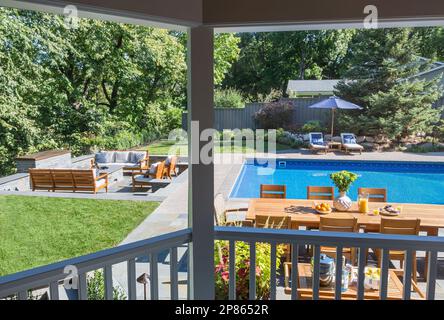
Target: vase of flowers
<point>343,180</point>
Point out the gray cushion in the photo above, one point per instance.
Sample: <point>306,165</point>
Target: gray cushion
<point>168,160</point>
<point>122,157</point>
<point>105,157</point>
<point>137,156</point>
<point>153,167</point>
<point>142,178</point>
<point>128,164</point>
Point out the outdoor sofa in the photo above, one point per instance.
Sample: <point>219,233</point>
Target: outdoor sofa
<point>82,180</point>
<point>132,161</point>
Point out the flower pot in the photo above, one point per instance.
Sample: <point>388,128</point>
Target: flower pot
<point>342,203</point>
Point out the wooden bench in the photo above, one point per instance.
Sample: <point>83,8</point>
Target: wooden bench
<point>68,180</point>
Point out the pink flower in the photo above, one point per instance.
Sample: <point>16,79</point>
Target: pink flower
<point>219,267</point>
<point>258,271</point>
<point>225,275</point>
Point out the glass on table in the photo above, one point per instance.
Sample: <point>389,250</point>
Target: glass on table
<point>363,202</point>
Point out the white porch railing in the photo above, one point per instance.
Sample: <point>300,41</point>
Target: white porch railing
<point>18,285</point>
<point>361,241</point>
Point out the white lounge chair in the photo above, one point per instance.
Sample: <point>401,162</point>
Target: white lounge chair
<point>349,143</point>
<point>317,142</point>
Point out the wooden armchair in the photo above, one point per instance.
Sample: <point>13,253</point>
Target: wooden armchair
<point>154,173</point>
<point>221,213</point>
<point>170,167</point>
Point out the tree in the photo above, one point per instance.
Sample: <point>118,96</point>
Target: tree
<point>100,85</point>
<point>19,131</point>
<point>431,42</point>
<point>380,80</point>
<point>226,52</point>
<point>268,60</point>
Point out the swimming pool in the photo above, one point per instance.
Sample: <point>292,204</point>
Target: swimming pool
<point>409,182</point>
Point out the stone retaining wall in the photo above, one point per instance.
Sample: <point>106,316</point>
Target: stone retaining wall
<point>15,182</point>
<point>20,181</point>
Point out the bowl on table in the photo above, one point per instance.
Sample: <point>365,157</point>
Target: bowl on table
<point>322,208</point>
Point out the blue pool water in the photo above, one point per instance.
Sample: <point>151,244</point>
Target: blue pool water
<point>409,182</point>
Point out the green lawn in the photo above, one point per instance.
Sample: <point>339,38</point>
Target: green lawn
<point>163,147</point>
<point>39,230</point>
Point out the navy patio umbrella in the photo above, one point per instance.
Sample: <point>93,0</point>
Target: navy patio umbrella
<point>334,103</point>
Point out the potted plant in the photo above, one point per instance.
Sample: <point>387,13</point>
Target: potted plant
<point>343,180</point>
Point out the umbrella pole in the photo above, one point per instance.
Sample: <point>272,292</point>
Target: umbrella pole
<point>332,121</point>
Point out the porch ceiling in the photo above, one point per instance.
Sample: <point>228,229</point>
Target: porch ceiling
<point>235,14</point>
<point>257,12</point>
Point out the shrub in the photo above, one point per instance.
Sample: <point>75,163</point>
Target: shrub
<point>289,139</point>
<point>274,115</point>
<point>228,98</point>
<point>242,267</point>
<point>272,96</point>
<point>96,288</point>
<point>313,126</point>
<point>425,148</point>
<point>173,119</point>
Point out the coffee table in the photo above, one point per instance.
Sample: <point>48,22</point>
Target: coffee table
<point>115,172</point>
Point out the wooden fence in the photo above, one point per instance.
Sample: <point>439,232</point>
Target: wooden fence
<point>244,118</point>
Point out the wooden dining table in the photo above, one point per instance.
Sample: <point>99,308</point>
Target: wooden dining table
<point>303,214</point>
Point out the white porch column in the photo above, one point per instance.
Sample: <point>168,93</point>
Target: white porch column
<point>200,175</point>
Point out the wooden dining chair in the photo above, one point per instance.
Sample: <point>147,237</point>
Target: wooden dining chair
<point>221,214</point>
<point>403,227</point>
<point>374,194</point>
<point>339,224</point>
<point>272,221</point>
<point>273,191</point>
<point>275,222</point>
<point>320,193</point>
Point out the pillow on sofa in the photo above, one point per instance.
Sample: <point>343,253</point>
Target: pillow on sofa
<point>168,160</point>
<point>153,169</point>
<point>122,157</point>
<point>105,157</point>
<point>137,156</point>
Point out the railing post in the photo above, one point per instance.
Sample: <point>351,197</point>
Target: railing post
<point>201,171</point>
